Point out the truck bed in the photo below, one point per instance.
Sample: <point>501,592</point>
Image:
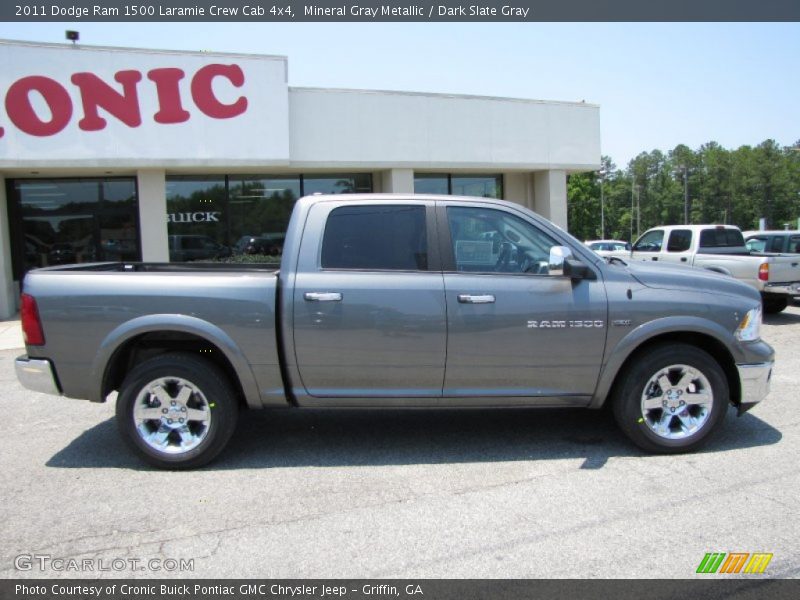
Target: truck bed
<point>88,308</point>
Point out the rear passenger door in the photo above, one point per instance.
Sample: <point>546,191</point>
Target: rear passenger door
<point>369,306</point>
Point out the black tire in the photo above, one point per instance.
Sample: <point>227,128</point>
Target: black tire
<point>208,393</point>
<point>773,306</point>
<point>641,424</point>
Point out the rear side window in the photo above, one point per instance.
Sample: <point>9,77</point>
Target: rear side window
<point>679,240</point>
<point>721,238</point>
<point>776,245</point>
<point>376,237</point>
<point>794,244</point>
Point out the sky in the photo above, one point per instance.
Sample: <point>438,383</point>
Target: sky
<point>657,84</point>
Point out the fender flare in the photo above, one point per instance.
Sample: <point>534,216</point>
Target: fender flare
<point>128,330</point>
<point>646,332</point>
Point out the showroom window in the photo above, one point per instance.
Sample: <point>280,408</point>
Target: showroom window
<point>482,186</point>
<point>64,221</point>
<point>223,217</point>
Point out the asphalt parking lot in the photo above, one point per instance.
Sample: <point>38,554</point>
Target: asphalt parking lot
<point>517,494</point>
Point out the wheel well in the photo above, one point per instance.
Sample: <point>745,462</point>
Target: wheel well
<point>148,345</point>
<point>714,347</point>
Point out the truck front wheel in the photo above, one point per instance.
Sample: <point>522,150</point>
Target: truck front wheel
<point>176,411</point>
<point>671,399</point>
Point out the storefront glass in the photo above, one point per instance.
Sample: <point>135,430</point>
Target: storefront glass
<point>482,186</point>
<point>66,221</point>
<point>225,217</point>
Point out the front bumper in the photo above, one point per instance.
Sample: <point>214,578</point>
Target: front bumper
<point>755,380</point>
<point>37,374</point>
<point>788,289</point>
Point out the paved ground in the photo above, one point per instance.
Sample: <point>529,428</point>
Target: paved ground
<point>406,494</point>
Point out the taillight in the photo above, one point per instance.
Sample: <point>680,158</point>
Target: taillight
<point>31,325</point>
<point>763,271</point>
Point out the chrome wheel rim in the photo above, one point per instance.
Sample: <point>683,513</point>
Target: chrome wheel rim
<point>172,415</point>
<point>676,402</point>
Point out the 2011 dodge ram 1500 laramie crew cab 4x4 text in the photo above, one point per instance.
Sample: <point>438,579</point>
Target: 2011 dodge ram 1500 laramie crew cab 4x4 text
<point>397,301</point>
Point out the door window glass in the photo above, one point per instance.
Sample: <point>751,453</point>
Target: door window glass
<point>650,242</point>
<point>794,244</point>
<point>488,240</point>
<point>376,237</point>
<point>679,240</point>
<point>776,245</point>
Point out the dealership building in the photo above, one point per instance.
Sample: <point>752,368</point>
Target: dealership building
<point>154,155</point>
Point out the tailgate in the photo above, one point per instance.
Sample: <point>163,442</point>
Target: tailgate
<point>784,269</point>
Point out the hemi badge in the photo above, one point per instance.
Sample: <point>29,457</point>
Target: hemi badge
<point>621,323</point>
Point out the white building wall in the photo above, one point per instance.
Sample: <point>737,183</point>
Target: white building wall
<point>152,189</point>
<point>352,128</point>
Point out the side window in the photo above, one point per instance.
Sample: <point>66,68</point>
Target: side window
<point>376,237</point>
<point>794,244</point>
<point>650,242</point>
<point>756,244</point>
<point>679,240</point>
<point>776,244</point>
<point>487,240</point>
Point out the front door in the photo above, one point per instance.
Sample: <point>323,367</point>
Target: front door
<point>513,329</point>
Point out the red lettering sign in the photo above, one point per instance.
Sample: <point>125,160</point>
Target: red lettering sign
<point>21,112</point>
<point>96,94</point>
<point>203,93</point>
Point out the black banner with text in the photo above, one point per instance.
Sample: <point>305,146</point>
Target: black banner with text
<point>397,10</point>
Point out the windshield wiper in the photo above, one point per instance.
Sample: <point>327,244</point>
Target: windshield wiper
<point>611,259</point>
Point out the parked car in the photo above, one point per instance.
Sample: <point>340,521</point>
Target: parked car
<point>783,241</point>
<point>618,248</point>
<point>186,248</point>
<point>267,245</point>
<point>403,301</point>
<point>721,248</point>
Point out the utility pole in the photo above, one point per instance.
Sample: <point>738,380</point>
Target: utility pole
<point>633,191</point>
<point>602,173</point>
<point>638,211</point>
<point>685,195</point>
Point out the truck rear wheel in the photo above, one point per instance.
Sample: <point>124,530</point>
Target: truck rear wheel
<point>176,411</point>
<point>774,304</point>
<point>671,399</point>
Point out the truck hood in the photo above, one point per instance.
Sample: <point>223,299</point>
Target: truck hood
<point>676,277</point>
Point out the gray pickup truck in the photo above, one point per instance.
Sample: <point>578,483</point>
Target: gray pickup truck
<point>397,301</point>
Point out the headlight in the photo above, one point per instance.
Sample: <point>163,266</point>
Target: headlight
<point>749,330</point>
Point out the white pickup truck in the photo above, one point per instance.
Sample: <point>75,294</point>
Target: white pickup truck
<point>721,248</point>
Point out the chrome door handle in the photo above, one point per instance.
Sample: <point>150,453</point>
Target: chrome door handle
<point>470,299</point>
<point>323,296</point>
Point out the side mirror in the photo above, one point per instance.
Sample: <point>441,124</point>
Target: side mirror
<point>575,269</point>
<point>558,254</point>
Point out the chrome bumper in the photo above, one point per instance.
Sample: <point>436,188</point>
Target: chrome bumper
<point>755,381</point>
<point>789,289</point>
<point>37,375</point>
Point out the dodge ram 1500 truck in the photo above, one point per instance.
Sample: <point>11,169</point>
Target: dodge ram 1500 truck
<point>721,248</point>
<point>396,301</point>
